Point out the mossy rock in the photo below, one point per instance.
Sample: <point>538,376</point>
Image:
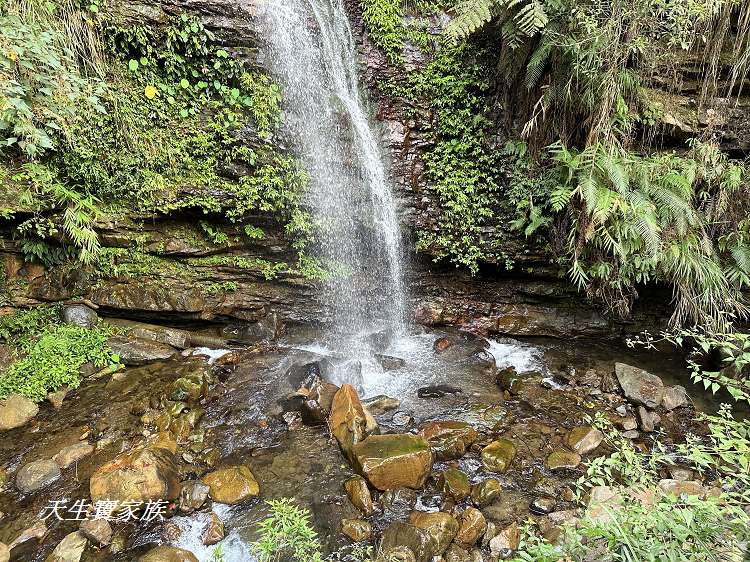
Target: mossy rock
<point>497,456</point>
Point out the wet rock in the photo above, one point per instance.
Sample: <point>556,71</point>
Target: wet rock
<point>348,421</point>
<point>508,380</point>
<point>168,554</point>
<point>371,424</point>
<point>449,439</point>
<point>79,315</point>
<point>388,362</point>
<point>356,529</point>
<point>293,420</point>
<point>680,487</point>
<point>72,454</point>
<point>396,554</point>
<point>402,419</point>
<point>417,540</point>
<point>542,506</point>
<point>631,434</point>
<point>399,500</point>
<point>98,531</point>
<point>15,411</point>
<point>189,389</point>
<point>456,554</point>
<point>485,492</point>
<point>497,456</point>
<point>36,475</point>
<point>4,552</point>
<point>506,542</point>
<point>674,397</point>
<point>323,393</point>
<point>162,440</point>
<point>455,484</point>
<point>508,507</point>
<point>57,398</point>
<point>393,461</point>
<point>681,473</point>
<point>381,404</point>
<point>442,344</point>
<point>559,460</point>
<point>69,549</point>
<point>213,532</point>
<point>139,475</point>
<point>584,439</point>
<point>193,494</point>
<point>442,528</point>
<point>312,413</point>
<point>649,420</point>
<point>133,351</point>
<point>639,386</point>
<point>602,501</point>
<point>359,494</point>
<point>437,391</point>
<point>472,526</point>
<point>232,485</point>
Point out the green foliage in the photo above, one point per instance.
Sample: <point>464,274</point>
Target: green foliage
<point>286,534</point>
<point>521,18</point>
<point>213,289</point>
<point>52,353</point>
<point>383,19</point>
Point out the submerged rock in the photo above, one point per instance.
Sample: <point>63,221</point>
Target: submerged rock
<point>15,411</point>
<point>437,391</point>
<point>639,386</point>
<point>359,494</point>
<point>558,460</point>
<point>403,535</point>
<point>497,456</point>
<point>70,549</point>
<point>508,380</point>
<point>98,531</point>
<point>442,528</point>
<point>72,454</point>
<point>348,421</point>
<point>393,461</point>
<point>449,439</point>
<point>232,485</point>
<point>381,404</point>
<point>399,501</point>
<point>37,475</point>
<point>388,362</point>
<point>168,554</point>
<point>139,475</point>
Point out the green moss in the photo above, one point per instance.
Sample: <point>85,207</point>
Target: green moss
<point>216,288</point>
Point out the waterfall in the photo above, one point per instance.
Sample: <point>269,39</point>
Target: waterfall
<point>313,55</point>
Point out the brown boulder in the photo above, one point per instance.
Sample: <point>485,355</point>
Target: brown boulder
<point>393,461</point>
<point>399,536</point>
<point>584,439</point>
<point>232,485</point>
<point>15,411</point>
<point>168,554</point>
<point>72,454</point>
<point>356,529</point>
<point>70,549</point>
<point>359,494</point>
<point>442,527</point>
<point>213,532</point>
<point>454,483</point>
<point>348,421</point>
<point>139,475</point>
<point>449,439</point>
<point>639,386</point>
<point>497,456</point>
<point>472,526</point>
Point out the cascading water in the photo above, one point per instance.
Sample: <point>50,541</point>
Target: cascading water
<point>313,55</point>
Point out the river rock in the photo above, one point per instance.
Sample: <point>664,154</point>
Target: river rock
<point>648,419</point>
<point>639,386</point>
<point>584,439</point>
<point>193,494</point>
<point>497,456</point>
<point>36,475</point>
<point>98,531</point>
<point>348,421</point>
<point>69,549</point>
<point>15,411</point>
<point>388,362</point>
<point>168,554</point>
<point>506,541</point>
<point>399,501</point>
<point>559,460</point>
<point>449,439</point>
<point>57,398</point>
<point>472,526</point>
<point>603,500</point>
<point>442,528</point>
<point>79,315</point>
<point>485,492</point>
<point>542,506</point>
<point>442,344</point>
<point>508,380</point>
<point>72,454</point>
<point>456,554</point>
<point>213,532</point>
<point>232,485</point>
<point>393,461</point>
<point>680,487</point>
<point>454,483</point>
<point>356,529</point>
<point>381,404</point>
<point>4,552</point>
<point>140,475</point>
<point>674,397</point>
<point>359,494</point>
<point>134,351</point>
<point>416,540</point>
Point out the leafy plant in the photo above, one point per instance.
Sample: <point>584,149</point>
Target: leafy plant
<point>286,534</point>
<point>383,19</point>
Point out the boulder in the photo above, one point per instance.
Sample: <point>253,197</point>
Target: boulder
<point>348,421</point>
<point>134,351</point>
<point>359,494</point>
<point>139,475</point>
<point>449,439</point>
<point>506,541</point>
<point>497,456</point>
<point>79,315</point>
<point>542,506</point>
<point>682,487</point>
<point>4,552</point>
<point>674,397</point>
<point>168,554</point>
<point>603,500</point>
<point>389,363</point>
<point>472,526</point>
<point>57,398</point>
<point>442,528</point>
<point>560,460</point>
<point>508,380</point>
<point>232,485</point>
<point>213,532</point>
<point>36,475</point>
<point>399,501</point>
<point>69,549</point>
<point>393,461</point>
<point>403,535</point>
<point>457,554</point>
<point>356,529</point>
<point>193,494</point>
<point>381,404</point>
<point>584,439</point>
<point>649,420</point>
<point>72,454</point>
<point>454,483</point>
<point>98,531</point>
<point>485,492</point>
<point>639,386</point>
<point>15,411</point>
<point>442,344</point>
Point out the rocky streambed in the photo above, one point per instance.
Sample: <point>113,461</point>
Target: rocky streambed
<point>442,444</point>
